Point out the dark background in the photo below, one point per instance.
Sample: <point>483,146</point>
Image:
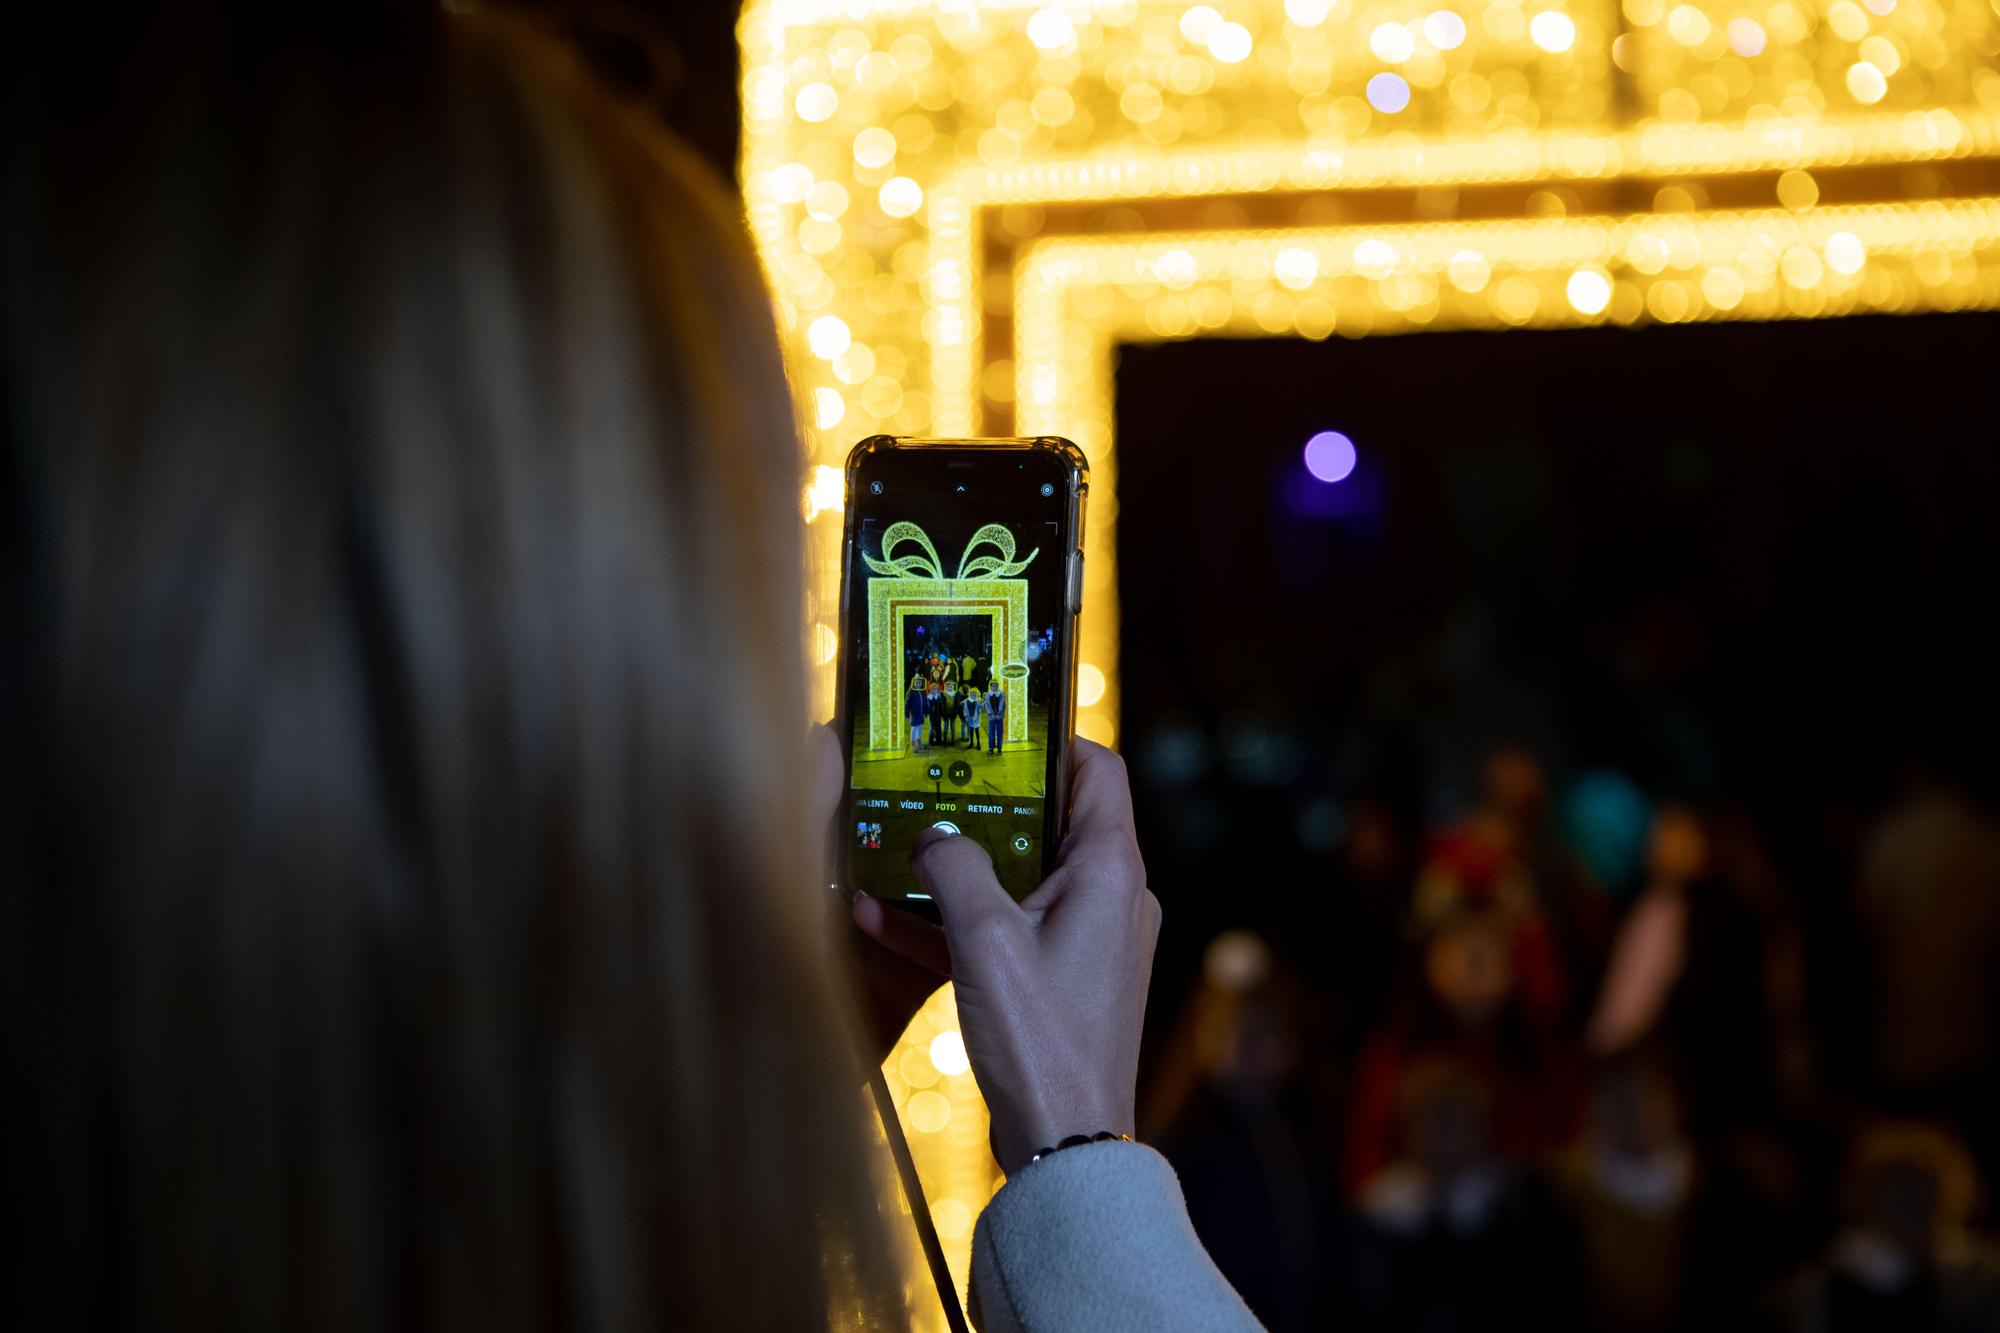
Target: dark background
<point>1746,560</point>
<point>1745,569</point>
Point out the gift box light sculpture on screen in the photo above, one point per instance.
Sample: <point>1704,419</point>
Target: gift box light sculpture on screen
<point>966,207</point>
<point>987,585</point>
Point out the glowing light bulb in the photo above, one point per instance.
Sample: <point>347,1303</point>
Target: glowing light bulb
<point>816,102</point>
<point>1866,82</point>
<point>1089,686</point>
<point>1295,267</point>
<point>1746,38</point>
<point>1375,257</point>
<point>1845,253</point>
<point>1199,22</point>
<point>1388,93</point>
<point>1176,268</point>
<point>1801,267</point>
<point>790,183</point>
<point>826,199</point>
<point>1722,288</point>
<point>828,337</point>
<point>1589,291</point>
<point>828,408</point>
<point>827,491</point>
<point>900,196</point>
<point>1051,30</point>
<point>927,1112</point>
<point>1552,30</point>
<point>952,1218</point>
<point>1469,271</point>
<point>1230,43</point>
<point>1392,42</point>
<point>1330,456</point>
<point>1445,30</point>
<point>1880,52</point>
<point>874,147</point>
<point>1687,25</point>
<point>948,1053</point>
<point>1847,21</point>
<point>1797,190</point>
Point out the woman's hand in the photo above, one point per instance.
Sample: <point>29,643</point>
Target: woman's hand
<point>1052,990</point>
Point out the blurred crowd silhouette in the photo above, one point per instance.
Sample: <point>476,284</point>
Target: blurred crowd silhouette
<point>1515,1088</point>
<point>1576,826</point>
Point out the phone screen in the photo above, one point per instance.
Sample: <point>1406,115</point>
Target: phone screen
<point>956,679</point>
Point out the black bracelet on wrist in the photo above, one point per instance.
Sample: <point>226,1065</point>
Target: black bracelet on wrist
<point>1078,1140</point>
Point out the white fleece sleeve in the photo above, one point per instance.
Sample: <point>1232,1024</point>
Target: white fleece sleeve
<point>1097,1238</point>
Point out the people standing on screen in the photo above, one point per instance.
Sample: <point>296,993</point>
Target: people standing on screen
<point>913,713</point>
<point>969,715</point>
<point>996,711</point>
<point>950,711</point>
<point>966,667</point>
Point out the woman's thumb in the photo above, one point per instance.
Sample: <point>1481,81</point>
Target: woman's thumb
<point>958,875</point>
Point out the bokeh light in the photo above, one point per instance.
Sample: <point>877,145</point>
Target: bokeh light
<point>928,1111</point>
<point>1089,685</point>
<point>816,102</point>
<point>874,148</point>
<point>1746,37</point>
<point>825,492</point>
<point>900,196</point>
<point>1844,253</point>
<point>828,408</point>
<point>1051,29</point>
<point>947,1051</point>
<point>828,337</point>
<point>1199,21</point>
<point>1797,190</point>
<point>1330,456</point>
<point>1388,93</point>
<point>1295,268</point>
<point>1589,290</point>
<point>1230,43</point>
<point>1392,42</point>
<point>1445,30</point>
<point>1553,31</point>
<point>1868,84</point>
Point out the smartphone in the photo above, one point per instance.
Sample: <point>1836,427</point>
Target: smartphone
<point>961,582</point>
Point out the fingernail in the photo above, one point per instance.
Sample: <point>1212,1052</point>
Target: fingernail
<point>861,893</point>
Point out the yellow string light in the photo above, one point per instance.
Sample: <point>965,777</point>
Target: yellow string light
<point>964,206</point>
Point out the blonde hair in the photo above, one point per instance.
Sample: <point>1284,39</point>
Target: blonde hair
<point>413,926</point>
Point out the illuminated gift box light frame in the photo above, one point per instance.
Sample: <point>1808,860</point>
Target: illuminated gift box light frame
<point>966,205</point>
<point>1007,611</point>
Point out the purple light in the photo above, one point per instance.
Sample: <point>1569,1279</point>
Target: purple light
<point>1330,456</point>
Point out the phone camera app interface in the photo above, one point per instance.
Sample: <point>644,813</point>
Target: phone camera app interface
<point>955,605</point>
